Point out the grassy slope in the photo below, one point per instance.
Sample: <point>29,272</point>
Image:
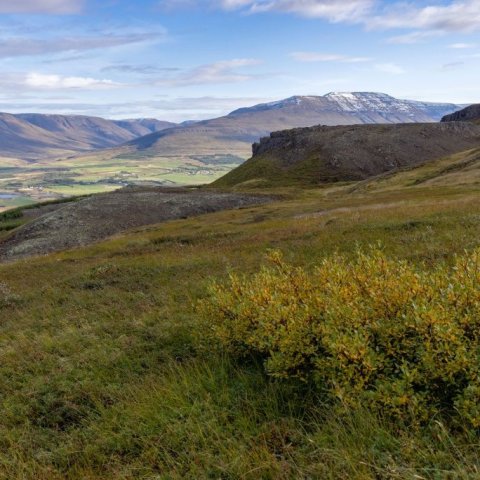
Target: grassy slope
<point>98,373</point>
<point>462,169</point>
<point>263,171</point>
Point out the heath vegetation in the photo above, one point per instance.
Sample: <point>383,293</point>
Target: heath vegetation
<point>102,375</point>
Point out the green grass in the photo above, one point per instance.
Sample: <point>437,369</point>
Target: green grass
<point>76,189</point>
<point>94,174</point>
<point>9,220</point>
<point>20,201</point>
<point>100,379</point>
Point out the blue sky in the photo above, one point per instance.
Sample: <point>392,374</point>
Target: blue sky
<point>192,59</point>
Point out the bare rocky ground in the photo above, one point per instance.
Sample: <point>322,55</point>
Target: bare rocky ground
<point>97,217</point>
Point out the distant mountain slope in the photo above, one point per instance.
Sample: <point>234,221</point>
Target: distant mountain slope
<point>143,126</point>
<point>19,138</point>
<point>322,154</point>
<point>235,132</point>
<point>93,132</point>
<point>34,136</point>
<point>232,135</point>
<point>366,107</point>
<point>467,114</point>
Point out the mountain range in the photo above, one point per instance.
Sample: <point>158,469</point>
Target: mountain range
<point>33,136</point>
<point>37,136</point>
<point>235,132</point>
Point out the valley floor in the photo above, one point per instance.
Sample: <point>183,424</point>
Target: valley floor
<point>100,377</point>
<point>23,182</point>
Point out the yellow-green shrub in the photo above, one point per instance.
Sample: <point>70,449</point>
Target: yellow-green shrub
<point>372,331</point>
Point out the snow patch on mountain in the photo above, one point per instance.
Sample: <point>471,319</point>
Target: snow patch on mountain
<point>296,100</point>
<point>370,101</point>
<point>365,103</point>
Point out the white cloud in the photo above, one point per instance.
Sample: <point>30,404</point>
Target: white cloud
<point>22,46</point>
<point>323,57</point>
<point>58,7</point>
<point>218,72</point>
<point>391,68</point>
<point>413,37</point>
<point>456,16</point>
<point>39,80</point>
<point>173,109</point>
<point>332,10</point>
<point>461,46</point>
<point>433,15</point>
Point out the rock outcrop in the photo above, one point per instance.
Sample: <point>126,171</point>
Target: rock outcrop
<point>468,114</point>
<point>321,154</point>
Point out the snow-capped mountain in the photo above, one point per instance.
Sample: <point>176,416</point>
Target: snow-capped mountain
<point>234,134</point>
<point>360,107</point>
<point>381,102</point>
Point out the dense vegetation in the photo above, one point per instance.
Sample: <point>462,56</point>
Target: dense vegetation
<point>373,332</point>
<point>101,377</point>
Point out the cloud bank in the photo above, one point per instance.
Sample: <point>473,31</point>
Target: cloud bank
<point>214,73</point>
<point>56,82</point>
<point>23,46</point>
<point>451,16</point>
<point>55,7</point>
<point>325,57</point>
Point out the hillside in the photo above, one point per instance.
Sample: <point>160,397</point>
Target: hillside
<point>233,133</point>
<point>458,170</point>
<point>143,126</point>
<point>330,154</point>
<point>468,114</point>
<point>33,136</point>
<point>103,376</point>
<point>97,217</point>
<point>20,138</point>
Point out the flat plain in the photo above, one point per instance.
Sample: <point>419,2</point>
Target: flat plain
<point>30,182</point>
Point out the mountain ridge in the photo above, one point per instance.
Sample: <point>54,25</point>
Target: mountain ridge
<point>235,132</point>
<point>467,114</point>
<point>322,154</point>
<point>34,136</point>
<point>53,136</point>
<point>358,102</point>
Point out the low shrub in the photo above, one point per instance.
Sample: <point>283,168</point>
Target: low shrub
<point>375,332</point>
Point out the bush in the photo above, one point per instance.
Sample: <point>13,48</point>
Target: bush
<point>372,332</point>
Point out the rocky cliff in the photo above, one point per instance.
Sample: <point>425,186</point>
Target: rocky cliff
<point>468,114</point>
<point>322,154</point>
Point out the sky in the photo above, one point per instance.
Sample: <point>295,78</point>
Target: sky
<point>182,60</point>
